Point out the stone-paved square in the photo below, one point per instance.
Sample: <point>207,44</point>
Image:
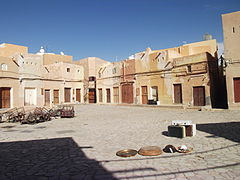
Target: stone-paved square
<point>85,146</point>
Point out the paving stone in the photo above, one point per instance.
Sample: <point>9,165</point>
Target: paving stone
<point>194,178</point>
<point>90,151</point>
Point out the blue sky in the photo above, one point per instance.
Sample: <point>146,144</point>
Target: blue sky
<point>110,29</point>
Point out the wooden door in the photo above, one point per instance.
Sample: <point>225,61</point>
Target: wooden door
<point>100,94</point>
<point>236,84</point>
<point>67,94</point>
<point>56,96</point>
<point>5,97</point>
<point>108,96</point>
<point>144,95</point>
<point>92,96</point>
<point>116,95</point>
<point>47,97</point>
<point>78,95</point>
<point>199,96</point>
<point>127,93</point>
<point>177,93</point>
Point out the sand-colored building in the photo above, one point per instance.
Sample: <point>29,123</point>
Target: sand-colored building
<point>29,80</point>
<point>90,65</point>
<point>231,32</point>
<point>108,82</point>
<point>63,83</point>
<point>116,82</point>
<point>10,50</point>
<point>9,83</point>
<point>186,75</point>
<point>127,82</point>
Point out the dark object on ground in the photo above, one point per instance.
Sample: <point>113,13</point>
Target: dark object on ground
<point>150,151</point>
<point>126,153</point>
<point>177,131</point>
<point>67,111</point>
<point>170,149</point>
<point>152,102</point>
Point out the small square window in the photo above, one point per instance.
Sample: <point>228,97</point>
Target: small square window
<point>92,78</point>
<point>68,69</point>
<point>4,67</point>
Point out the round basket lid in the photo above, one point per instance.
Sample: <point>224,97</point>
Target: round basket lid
<point>150,151</point>
<point>126,153</point>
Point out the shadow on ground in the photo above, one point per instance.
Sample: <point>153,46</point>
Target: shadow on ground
<point>228,130</point>
<point>59,158</point>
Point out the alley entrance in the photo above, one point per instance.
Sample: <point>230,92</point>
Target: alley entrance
<point>154,92</point>
<point>92,95</point>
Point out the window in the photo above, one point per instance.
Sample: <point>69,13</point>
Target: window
<point>114,71</point>
<point>91,78</point>
<point>68,69</point>
<point>233,30</point>
<point>4,67</point>
<point>189,68</point>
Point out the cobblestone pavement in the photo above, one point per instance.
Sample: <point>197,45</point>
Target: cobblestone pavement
<point>84,147</point>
